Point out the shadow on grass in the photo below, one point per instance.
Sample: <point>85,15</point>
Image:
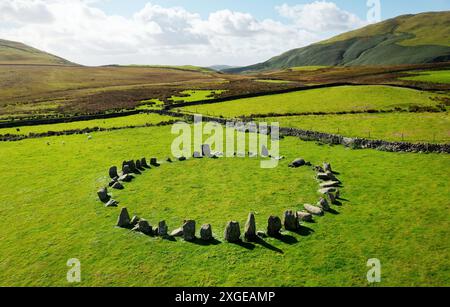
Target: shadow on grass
<point>303,231</point>
<point>332,211</point>
<point>201,242</point>
<point>288,239</point>
<point>267,245</point>
<point>246,245</point>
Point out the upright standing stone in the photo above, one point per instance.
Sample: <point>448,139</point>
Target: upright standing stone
<point>103,195</point>
<point>327,167</point>
<point>113,172</point>
<point>138,164</point>
<point>189,230</point>
<point>323,204</point>
<point>162,229</point>
<point>154,162</point>
<point>206,232</point>
<point>250,228</point>
<point>144,227</point>
<point>232,232</point>
<point>124,219</point>
<point>206,150</point>
<point>126,169</point>
<point>273,226</point>
<point>264,151</point>
<point>132,165</point>
<point>332,198</point>
<point>144,163</point>
<point>290,221</point>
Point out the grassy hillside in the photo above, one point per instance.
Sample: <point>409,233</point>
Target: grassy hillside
<point>409,39</point>
<point>18,53</point>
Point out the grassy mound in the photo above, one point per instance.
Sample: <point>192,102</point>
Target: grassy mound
<point>435,76</point>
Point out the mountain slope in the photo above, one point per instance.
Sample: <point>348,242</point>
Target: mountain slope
<point>408,39</point>
<point>18,53</point>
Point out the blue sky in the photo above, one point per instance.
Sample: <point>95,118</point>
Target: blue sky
<point>180,32</point>
<point>265,8</point>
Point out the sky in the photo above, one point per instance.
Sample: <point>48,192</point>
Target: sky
<point>196,32</point>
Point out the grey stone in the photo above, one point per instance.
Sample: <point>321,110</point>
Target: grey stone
<point>330,184</point>
<point>250,228</point>
<point>134,220</point>
<point>162,229</point>
<point>327,167</point>
<point>197,155</point>
<point>113,172</point>
<point>126,178</point>
<point>126,169</point>
<point>138,164</point>
<point>177,232</point>
<point>144,227</point>
<point>154,162</point>
<point>118,186</point>
<point>323,204</point>
<point>112,203</point>
<point>273,226</point>
<point>323,176</point>
<point>332,198</point>
<point>112,182</point>
<point>103,195</point>
<point>304,216</point>
<point>144,163</point>
<point>169,160</point>
<point>206,150</point>
<point>264,151</point>
<point>124,219</point>
<point>206,232</point>
<point>313,209</point>
<point>327,190</point>
<point>182,159</point>
<point>261,234</point>
<point>232,232</point>
<point>297,163</point>
<point>132,165</point>
<point>290,221</point>
<point>189,230</point>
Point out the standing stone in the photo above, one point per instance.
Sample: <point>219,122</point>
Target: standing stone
<point>206,150</point>
<point>332,198</point>
<point>138,164</point>
<point>124,219</point>
<point>273,226</point>
<point>290,221</point>
<point>197,155</point>
<point>117,186</point>
<point>134,220</point>
<point>144,227</point>
<point>144,163</point>
<point>182,159</point>
<point>113,172</point>
<point>304,216</point>
<point>327,167</point>
<point>338,194</point>
<point>189,230</point>
<point>162,229</point>
<point>297,163</point>
<point>206,232</point>
<point>313,209</point>
<point>169,160</point>
<point>323,204</point>
<point>103,195</point>
<point>264,151</point>
<point>154,162</point>
<point>250,228</point>
<point>126,169</point>
<point>232,232</point>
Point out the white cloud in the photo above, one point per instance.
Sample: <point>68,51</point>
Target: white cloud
<point>82,33</point>
<point>320,16</point>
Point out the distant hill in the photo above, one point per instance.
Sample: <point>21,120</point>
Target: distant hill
<point>18,53</point>
<point>221,67</point>
<point>407,39</point>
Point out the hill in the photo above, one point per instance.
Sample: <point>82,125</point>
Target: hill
<point>18,53</point>
<point>407,39</point>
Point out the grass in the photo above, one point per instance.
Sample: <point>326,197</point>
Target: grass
<point>306,68</point>
<point>196,95</point>
<point>435,76</point>
<point>336,99</point>
<point>272,81</point>
<point>397,211</point>
<point>409,127</point>
<point>125,121</point>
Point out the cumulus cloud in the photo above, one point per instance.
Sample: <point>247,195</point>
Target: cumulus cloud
<point>320,16</point>
<point>82,33</point>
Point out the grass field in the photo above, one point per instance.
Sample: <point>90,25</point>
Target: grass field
<point>435,76</point>
<point>409,127</point>
<point>397,211</point>
<point>125,121</point>
<point>336,99</point>
<point>196,95</point>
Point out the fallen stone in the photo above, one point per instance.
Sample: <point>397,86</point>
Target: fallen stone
<point>113,172</point>
<point>290,221</point>
<point>189,230</point>
<point>304,216</point>
<point>177,232</point>
<point>134,220</point>
<point>232,232</point>
<point>273,226</point>
<point>103,195</point>
<point>112,182</point>
<point>327,190</point>
<point>118,186</point>
<point>313,209</point>
<point>124,219</point>
<point>206,232</point>
<point>323,176</point>
<point>331,175</point>
<point>182,159</point>
<point>252,155</point>
<point>250,228</point>
<point>144,227</point>
<point>111,203</point>
<point>323,204</point>
<point>197,155</point>
<point>297,163</point>
<point>126,178</point>
<point>162,229</point>
<point>261,234</point>
<point>330,184</point>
